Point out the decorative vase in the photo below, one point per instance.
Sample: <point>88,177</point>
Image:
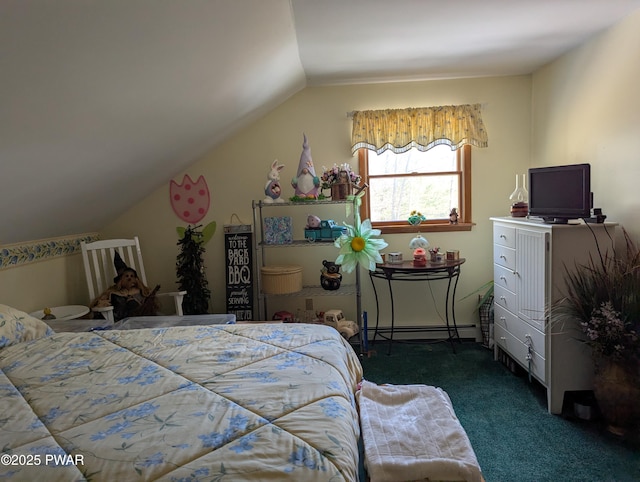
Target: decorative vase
<point>341,189</point>
<point>520,193</point>
<point>339,192</point>
<point>617,391</point>
<point>519,199</point>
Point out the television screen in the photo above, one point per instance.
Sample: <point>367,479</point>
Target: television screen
<point>560,193</point>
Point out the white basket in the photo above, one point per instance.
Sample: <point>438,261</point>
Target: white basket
<point>281,280</point>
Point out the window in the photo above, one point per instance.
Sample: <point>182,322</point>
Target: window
<point>432,182</point>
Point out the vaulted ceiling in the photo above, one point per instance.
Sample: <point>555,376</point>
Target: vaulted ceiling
<point>128,93</point>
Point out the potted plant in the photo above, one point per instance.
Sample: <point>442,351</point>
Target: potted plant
<point>190,269</point>
<point>340,180</point>
<point>603,298</point>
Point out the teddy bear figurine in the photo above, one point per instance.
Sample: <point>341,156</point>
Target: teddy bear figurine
<point>330,276</point>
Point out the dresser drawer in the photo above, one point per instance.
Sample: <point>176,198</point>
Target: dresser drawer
<point>504,256</point>
<point>504,236</point>
<point>504,298</point>
<point>504,277</point>
<point>518,351</point>
<point>520,329</point>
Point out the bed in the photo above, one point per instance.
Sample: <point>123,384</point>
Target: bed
<point>216,402</point>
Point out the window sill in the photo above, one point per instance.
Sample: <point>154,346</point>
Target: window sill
<point>424,228</point>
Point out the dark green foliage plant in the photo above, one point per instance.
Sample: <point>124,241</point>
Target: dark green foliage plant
<point>603,297</point>
<point>191,273</point>
<point>485,294</point>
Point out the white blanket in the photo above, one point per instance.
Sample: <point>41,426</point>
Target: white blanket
<point>411,432</point>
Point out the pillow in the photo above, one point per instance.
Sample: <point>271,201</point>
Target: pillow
<point>17,326</point>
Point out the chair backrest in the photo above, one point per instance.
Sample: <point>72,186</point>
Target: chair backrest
<point>98,262</point>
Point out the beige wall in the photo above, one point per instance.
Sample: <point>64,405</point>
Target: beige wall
<point>52,282</point>
<point>586,108</point>
<point>236,174</point>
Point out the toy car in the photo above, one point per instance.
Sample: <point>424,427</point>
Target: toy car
<point>327,231</point>
<point>346,328</point>
<point>284,316</point>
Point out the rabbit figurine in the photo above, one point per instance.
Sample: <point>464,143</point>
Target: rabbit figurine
<point>272,189</point>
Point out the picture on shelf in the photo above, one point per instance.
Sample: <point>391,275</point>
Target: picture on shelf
<point>278,230</point>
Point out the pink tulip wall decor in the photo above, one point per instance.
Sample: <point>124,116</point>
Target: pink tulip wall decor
<point>190,200</point>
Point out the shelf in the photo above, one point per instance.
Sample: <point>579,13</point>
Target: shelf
<point>344,290</point>
<point>263,204</point>
<point>298,243</point>
<point>346,210</point>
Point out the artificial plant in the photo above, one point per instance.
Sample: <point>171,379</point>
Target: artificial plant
<point>190,269</point>
<point>360,244</point>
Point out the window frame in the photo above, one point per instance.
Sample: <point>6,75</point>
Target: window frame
<point>463,159</point>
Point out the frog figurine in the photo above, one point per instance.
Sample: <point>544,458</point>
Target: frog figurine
<point>330,276</point>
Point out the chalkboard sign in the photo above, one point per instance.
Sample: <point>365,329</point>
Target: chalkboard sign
<point>239,264</point>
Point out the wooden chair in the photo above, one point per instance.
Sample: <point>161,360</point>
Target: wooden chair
<point>100,270</point>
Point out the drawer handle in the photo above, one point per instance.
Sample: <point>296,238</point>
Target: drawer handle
<point>503,256</point>
<point>503,318</point>
<point>503,298</point>
<point>503,338</point>
<point>503,278</point>
<point>503,236</point>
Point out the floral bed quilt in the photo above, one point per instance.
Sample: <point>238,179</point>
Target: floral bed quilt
<point>216,402</point>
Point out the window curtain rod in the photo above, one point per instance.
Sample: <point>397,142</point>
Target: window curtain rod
<point>352,112</point>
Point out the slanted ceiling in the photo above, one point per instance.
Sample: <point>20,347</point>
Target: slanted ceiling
<point>128,93</point>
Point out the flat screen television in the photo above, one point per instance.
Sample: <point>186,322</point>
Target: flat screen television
<point>560,193</point>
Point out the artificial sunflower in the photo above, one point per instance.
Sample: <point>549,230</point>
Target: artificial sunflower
<point>359,246</point>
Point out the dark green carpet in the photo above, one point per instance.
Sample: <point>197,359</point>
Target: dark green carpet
<point>514,437</point>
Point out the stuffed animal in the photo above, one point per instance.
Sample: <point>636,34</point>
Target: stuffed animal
<point>272,189</point>
<point>306,183</point>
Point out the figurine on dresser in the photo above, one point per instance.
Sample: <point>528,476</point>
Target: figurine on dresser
<point>272,189</point>
<point>306,183</point>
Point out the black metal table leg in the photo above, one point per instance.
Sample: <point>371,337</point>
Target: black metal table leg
<point>446,315</point>
<point>407,271</point>
<point>393,316</point>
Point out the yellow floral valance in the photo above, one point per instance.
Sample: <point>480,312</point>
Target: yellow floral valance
<point>423,127</point>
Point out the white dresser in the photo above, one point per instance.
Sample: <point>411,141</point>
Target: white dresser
<point>529,266</point>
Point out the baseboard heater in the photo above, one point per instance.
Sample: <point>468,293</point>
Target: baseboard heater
<point>433,332</point>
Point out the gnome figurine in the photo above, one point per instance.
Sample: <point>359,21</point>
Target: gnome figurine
<point>306,183</point>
